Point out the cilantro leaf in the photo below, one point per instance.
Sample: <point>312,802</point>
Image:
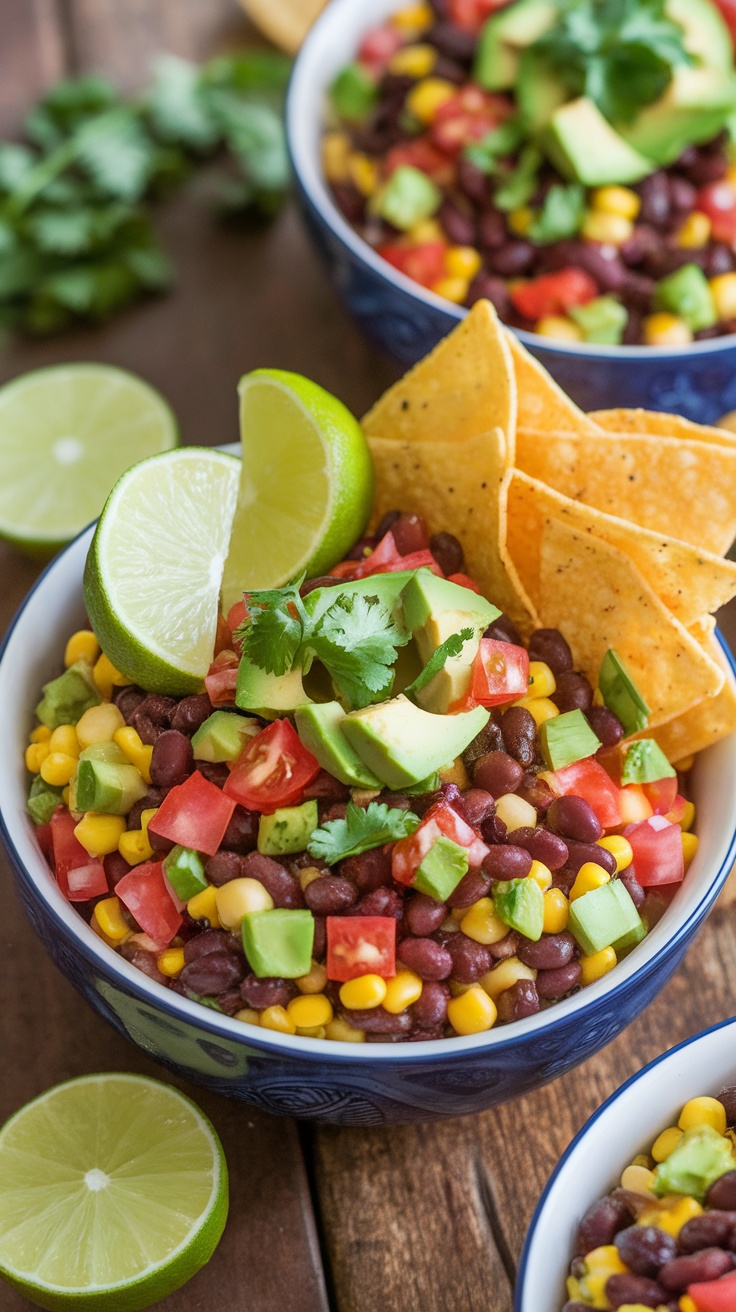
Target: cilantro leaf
<point>452,646</point>
<point>560,216</point>
<point>360,831</point>
<point>357,640</point>
<point>273,628</point>
<point>520,184</point>
<point>502,141</point>
<point>178,107</point>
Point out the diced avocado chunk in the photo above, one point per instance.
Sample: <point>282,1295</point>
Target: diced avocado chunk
<point>66,699</point>
<point>223,736</point>
<point>184,870</point>
<point>603,917</point>
<point>700,1158</point>
<point>504,36</point>
<point>108,752</point>
<point>584,147</point>
<point>318,726</point>
<point>428,785</point>
<point>707,37</point>
<point>268,695</point>
<point>279,943</point>
<point>602,320</point>
<point>401,743</point>
<point>645,762</point>
<point>354,93</point>
<point>567,738</point>
<point>386,587</point>
<point>435,609</point>
<point>539,91</point>
<point>408,197</point>
<point>687,293</point>
<point>442,869</point>
<point>630,940</point>
<point>620,693</point>
<point>695,107</point>
<point>288,829</point>
<point>43,800</point>
<point>103,786</point>
<point>519,903</point>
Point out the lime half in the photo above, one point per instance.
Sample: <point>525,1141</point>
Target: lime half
<point>66,435</point>
<point>113,1193</point>
<point>153,572</point>
<point>306,484</point>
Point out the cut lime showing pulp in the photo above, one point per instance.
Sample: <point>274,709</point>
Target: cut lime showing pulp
<point>66,435</point>
<point>153,572</point>
<point>113,1193</point>
<point>306,484</point>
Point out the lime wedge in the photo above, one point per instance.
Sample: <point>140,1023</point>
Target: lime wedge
<point>113,1193</point>
<point>306,484</point>
<point>153,572</point>
<point>66,435</point>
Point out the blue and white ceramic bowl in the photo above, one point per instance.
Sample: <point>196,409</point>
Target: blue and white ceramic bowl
<point>698,381</point>
<point>367,1084</point>
<point>623,1127</point>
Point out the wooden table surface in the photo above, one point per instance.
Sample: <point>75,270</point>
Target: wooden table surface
<point>354,1220</point>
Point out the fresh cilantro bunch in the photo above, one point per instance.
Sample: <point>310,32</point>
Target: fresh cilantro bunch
<point>361,830</point>
<point>76,239</point>
<point>620,53</point>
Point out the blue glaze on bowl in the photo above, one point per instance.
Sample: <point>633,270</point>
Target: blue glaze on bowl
<point>406,320</point>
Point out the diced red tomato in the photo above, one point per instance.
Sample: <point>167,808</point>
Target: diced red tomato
<point>345,569</point>
<point>464,581</point>
<point>222,677</point>
<point>78,876</point>
<point>715,1295</point>
<point>194,814</point>
<point>379,46</point>
<point>424,264</point>
<point>661,793</point>
<point>223,636</point>
<point>718,201</point>
<point>588,779</point>
<point>472,14</point>
<point>634,804</point>
<point>385,559</point>
<point>500,673</point>
<point>360,945</point>
<point>145,892</point>
<point>420,153</point>
<point>408,853</point>
<point>235,618</point>
<point>676,812</point>
<point>657,848</point>
<point>467,116</point>
<point>728,9</point>
<point>553,293</point>
<point>272,771</point>
<point>84,882</point>
<point>43,838</point>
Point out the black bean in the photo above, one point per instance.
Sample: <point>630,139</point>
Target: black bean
<point>115,868</point>
<point>173,760</point>
<point>600,1224</point>
<point>718,259</point>
<point>211,940</point>
<point>322,581</point>
<point>377,1021</point>
<point>430,1010</point>
<point>574,818</point>
<point>655,199</point>
<point>549,646</point>
<point>386,523</point>
<point>605,725</point>
<point>152,716</point>
<point>727,1097</point>
<point>472,181</point>
<point>714,1229</point>
<point>241,834</point>
<point>518,1001</point>
<point>542,846</point>
<point>519,734</point>
<point>448,552</point>
<point>152,798</point>
<point>450,71</point>
<point>348,198</point>
<point>215,772</point>
<point>623,1289</point>
<point>128,699</point>
<point>506,947</point>
<point>410,534</point>
<point>579,853</point>
<point>633,887</point>
<point>425,957</point>
<point>552,984</point>
<point>191,713</point>
<point>722,1193</point>
<point>602,262</point>
<point>368,870</point>
<point>329,894</point>
<point>497,773</point>
<point>325,788</point>
<point>223,867</point>
<point>642,243</point>
<point>573,692</point>
<point>380,902</point>
<point>146,962</point>
<point>536,792</point>
<point>212,973</point>
<point>708,167</point>
<point>682,194</point>
<point>459,227</point>
<point>708,1264</point>
<point>319,947</point>
<point>645,1248</point>
<point>478,806</point>
<point>470,960</point>
<point>512,259</point>
<point>271,992</point>
<point>492,233</point>
<point>494,830</point>
<point>284,887</point>
<point>488,740</point>
<point>550,952</point>
<point>474,885</point>
<point>453,41</point>
<point>507,861</point>
<point>424,915</point>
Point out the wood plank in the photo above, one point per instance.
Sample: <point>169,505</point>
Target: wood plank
<point>32,56</point>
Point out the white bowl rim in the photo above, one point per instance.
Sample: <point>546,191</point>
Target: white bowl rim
<point>307,71</point>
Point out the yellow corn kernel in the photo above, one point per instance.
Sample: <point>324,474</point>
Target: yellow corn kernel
<point>427,96</point>
<point>665,1143</point>
<point>147,817</point>
<point>472,1013</point>
<point>308,1013</point>
<point>98,724</point>
<point>612,229</point>
<point>457,989</point>
<point>542,682</point>
<point>560,327</point>
<point>248,1016</point>
<point>481,923</point>
<point>239,898</point>
<point>686,1304</point>
<point>41,734</point>
<point>57,768</point>
<point>671,1219</point>
<point>413,61</point>
<point>597,965</point>
<point>455,773</point>
<point>64,739</point>
<point>138,753</point>
<point>98,833</point>
<point>363,173</point>
<point>107,677</point>
<point>335,156</point>
<point>340,1032</point>
<point>36,754</point>
<point>109,916</point>
<point>515,812</point>
<point>556,911</point>
<point>66,796</point>
<point>453,289</point>
<point>203,906</point>
<point>589,876</point>
<point>171,962</point>
<point>639,1179</point>
<point>427,230</point>
<point>520,220</point>
<point>695,231</point>
<point>688,819</point>
<point>314,981</point>
<point>363,993</point>
<point>308,876</point>
<point>617,200</point>
<point>504,975</point>
<point>600,1264</point>
<point>413,17</point>
<point>82,646</point>
<point>703,1111</point>
<point>134,847</point>
<point>689,845</point>
<point>277,1018</point>
<point>620,848</point>
<point>462,261</point>
<point>724,295</point>
<point>540,708</point>
<point>312,1031</point>
<point>541,874</point>
<point>662,329</point>
<point>401,991</point>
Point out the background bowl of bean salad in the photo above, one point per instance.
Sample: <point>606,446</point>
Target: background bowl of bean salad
<point>696,379</point>
<point>625,1127</point>
<point>339,1082</point>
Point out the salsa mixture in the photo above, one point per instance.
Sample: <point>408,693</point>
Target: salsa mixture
<point>572,161</point>
<point>386,818</point>
<point>666,1237</point>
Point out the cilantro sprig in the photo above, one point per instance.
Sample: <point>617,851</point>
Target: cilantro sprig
<point>360,831</point>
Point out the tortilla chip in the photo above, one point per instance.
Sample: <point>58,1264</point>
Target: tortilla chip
<point>661,425</point>
<point>541,401</point>
<point>597,597</point>
<point>459,487</point>
<point>464,387</point>
<point>703,724</point>
<point>702,628</point>
<point>690,583</point>
<point>675,486</point>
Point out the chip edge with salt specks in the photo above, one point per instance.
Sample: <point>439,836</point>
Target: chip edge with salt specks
<point>661,424</point>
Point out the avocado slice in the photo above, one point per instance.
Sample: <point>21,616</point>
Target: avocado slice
<point>584,147</point>
<point>700,1158</point>
<point>707,37</point>
<point>43,800</point>
<point>318,725</point>
<point>184,870</point>
<point>66,699</point>
<point>567,738</point>
<point>539,92</point>
<point>603,917</point>
<point>695,107</point>
<point>441,869</point>
<point>519,903</point>
<point>434,609</point>
<point>288,829</point>
<point>645,763</point>
<point>505,35</point>
<point>620,693</point>
<point>279,943</point>
<point>268,695</point>
<point>401,743</point>
<point>223,736</point>
<point>112,789</point>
